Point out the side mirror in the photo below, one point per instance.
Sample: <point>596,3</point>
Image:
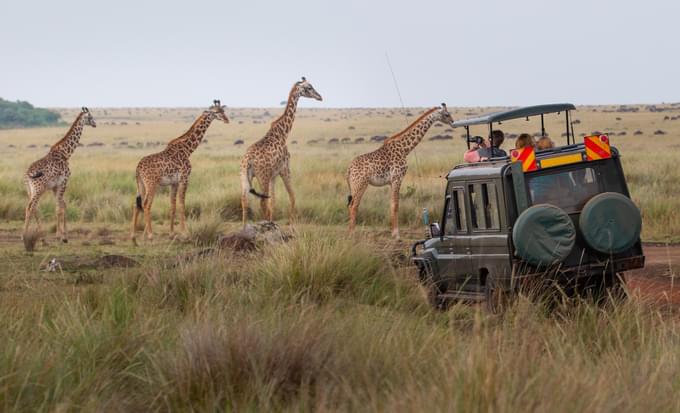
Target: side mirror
<point>435,231</point>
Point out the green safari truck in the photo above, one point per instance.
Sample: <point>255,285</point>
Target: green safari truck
<point>561,216</point>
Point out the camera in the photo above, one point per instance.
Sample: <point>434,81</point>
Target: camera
<point>475,139</point>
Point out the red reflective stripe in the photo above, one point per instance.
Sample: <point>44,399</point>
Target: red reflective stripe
<point>597,149</point>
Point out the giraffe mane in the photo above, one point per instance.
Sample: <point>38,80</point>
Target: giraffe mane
<point>184,135</point>
<point>70,130</point>
<point>290,94</point>
<point>409,127</point>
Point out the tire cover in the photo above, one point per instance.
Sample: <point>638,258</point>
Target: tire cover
<point>544,235</point>
<point>610,222</point>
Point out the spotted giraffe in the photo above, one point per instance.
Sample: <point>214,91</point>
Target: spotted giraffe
<point>171,167</point>
<point>52,172</point>
<point>268,158</point>
<point>387,164</point>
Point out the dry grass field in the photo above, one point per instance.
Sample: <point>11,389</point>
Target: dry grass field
<point>325,321</point>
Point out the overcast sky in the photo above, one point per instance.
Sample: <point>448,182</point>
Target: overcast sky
<point>248,53</point>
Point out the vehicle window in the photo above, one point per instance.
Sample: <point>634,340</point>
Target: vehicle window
<point>483,206</point>
<point>491,206</point>
<point>455,214</point>
<point>569,190</point>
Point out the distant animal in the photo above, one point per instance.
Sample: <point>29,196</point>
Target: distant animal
<point>52,172</point>
<point>388,164</point>
<point>269,157</point>
<point>238,142</point>
<point>171,167</point>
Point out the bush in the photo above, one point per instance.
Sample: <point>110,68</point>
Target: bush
<point>23,114</point>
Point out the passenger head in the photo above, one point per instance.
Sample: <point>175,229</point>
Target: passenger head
<point>545,143</point>
<point>497,138</point>
<point>525,140</point>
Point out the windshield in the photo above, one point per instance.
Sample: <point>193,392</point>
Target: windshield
<point>569,190</point>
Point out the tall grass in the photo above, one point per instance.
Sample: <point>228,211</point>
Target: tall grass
<point>321,323</point>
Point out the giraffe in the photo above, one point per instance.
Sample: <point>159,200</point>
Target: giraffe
<point>268,157</point>
<point>171,167</point>
<point>387,164</point>
<point>52,172</point>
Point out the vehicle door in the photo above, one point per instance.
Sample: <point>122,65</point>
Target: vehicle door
<point>454,251</point>
<point>488,241</point>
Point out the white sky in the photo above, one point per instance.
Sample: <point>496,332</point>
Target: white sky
<point>248,53</point>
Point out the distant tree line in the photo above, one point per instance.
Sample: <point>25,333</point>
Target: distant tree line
<point>23,114</point>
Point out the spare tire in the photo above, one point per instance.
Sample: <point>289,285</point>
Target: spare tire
<point>544,235</point>
<point>610,223</point>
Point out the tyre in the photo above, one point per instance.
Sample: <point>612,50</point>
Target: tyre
<point>495,297</point>
<point>543,235</point>
<point>610,223</point>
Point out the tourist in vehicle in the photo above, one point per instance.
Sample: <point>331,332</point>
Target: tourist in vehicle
<point>483,151</point>
<point>525,140</point>
<point>545,143</point>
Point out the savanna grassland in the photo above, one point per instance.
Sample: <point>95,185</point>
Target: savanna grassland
<point>325,321</point>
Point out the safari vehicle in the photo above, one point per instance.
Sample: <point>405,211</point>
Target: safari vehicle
<point>561,215</point>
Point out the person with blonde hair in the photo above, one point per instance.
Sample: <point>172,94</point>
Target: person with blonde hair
<point>525,140</point>
<point>544,143</point>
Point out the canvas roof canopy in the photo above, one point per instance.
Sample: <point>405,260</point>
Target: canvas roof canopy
<point>514,114</point>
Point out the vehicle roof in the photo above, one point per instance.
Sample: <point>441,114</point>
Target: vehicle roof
<point>496,166</point>
<point>514,114</point>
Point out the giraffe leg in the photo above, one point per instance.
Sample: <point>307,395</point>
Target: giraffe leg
<point>148,200</point>
<point>270,200</point>
<point>62,211</point>
<point>264,184</point>
<point>31,211</point>
<point>356,193</point>
<point>394,208</point>
<point>173,205</point>
<point>244,204</point>
<point>182,190</point>
<point>285,176</point>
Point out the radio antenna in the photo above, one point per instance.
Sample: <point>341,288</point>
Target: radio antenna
<point>396,86</point>
<point>403,109</point>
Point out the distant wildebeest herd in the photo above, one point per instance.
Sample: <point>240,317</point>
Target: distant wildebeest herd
<point>266,159</point>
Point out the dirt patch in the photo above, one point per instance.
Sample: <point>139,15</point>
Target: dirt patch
<point>658,282</point>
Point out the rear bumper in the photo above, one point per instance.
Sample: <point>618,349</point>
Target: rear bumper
<point>586,270</point>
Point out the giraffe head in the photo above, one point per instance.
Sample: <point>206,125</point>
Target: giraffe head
<point>442,115</point>
<point>305,89</point>
<point>217,110</point>
<point>87,118</point>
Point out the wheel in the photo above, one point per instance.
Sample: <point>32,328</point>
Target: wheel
<point>496,298</point>
<point>433,289</point>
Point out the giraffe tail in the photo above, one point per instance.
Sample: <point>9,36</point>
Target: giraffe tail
<point>247,181</point>
<point>140,192</point>
<point>257,194</point>
<point>349,200</point>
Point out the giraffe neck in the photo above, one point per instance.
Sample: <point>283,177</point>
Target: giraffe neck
<point>284,123</point>
<point>188,142</point>
<point>68,144</point>
<point>406,140</point>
